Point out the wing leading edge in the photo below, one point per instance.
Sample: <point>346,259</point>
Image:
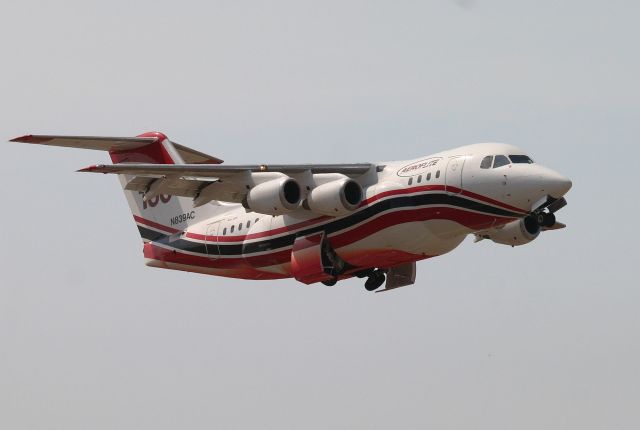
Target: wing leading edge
<point>225,170</point>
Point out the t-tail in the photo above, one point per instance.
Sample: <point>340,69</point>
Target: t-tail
<point>156,211</point>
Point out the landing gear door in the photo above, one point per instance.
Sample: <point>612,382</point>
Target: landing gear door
<point>314,260</point>
<point>211,240</point>
<point>453,175</point>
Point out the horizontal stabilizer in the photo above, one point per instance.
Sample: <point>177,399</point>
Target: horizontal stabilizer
<point>88,142</point>
<point>117,145</point>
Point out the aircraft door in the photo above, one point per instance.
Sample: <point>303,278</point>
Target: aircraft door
<point>453,175</point>
<point>211,240</point>
<point>263,223</point>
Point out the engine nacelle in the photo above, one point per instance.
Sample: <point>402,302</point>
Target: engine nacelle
<point>274,197</point>
<point>335,198</point>
<point>515,233</point>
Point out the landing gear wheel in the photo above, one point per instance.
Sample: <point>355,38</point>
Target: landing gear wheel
<point>544,219</point>
<point>330,282</point>
<point>550,219</point>
<point>376,279</point>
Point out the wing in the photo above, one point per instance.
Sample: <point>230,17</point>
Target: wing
<point>225,183</point>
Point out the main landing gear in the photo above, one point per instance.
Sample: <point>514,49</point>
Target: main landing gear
<point>375,280</point>
<point>330,282</point>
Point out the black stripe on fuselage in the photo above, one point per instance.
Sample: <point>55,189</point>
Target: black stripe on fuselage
<point>149,234</point>
<point>269,244</point>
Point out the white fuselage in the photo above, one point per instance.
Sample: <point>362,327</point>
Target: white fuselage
<point>412,210</point>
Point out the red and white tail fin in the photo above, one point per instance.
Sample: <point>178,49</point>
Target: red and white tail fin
<point>157,215</point>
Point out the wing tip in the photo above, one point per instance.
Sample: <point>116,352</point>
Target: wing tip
<point>30,138</point>
<point>94,168</point>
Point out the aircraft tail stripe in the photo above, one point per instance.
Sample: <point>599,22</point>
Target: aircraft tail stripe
<point>149,235</point>
<point>155,225</point>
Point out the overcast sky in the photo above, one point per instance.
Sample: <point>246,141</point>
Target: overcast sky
<point>544,336</point>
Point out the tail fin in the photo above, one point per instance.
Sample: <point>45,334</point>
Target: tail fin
<point>157,214</point>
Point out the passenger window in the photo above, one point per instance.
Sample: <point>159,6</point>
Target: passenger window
<point>248,223</point>
<point>257,219</point>
<point>410,181</point>
<point>486,162</point>
<point>232,228</point>
<point>419,178</point>
<point>429,176</point>
<point>224,232</point>
<point>239,226</point>
<point>438,174</point>
<point>500,161</point>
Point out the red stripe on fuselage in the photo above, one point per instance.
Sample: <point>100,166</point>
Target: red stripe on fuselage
<point>168,256</point>
<point>471,220</point>
<point>258,235</point>
<point>490,201</point>
<point>399,191</point>
<point>463,217</point>
<point>319,220</point>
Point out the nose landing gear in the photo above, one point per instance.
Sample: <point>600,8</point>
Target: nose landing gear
<point>375,280</point>
<point>545,219</point>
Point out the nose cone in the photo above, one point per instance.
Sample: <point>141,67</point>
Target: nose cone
<point>556,185</point>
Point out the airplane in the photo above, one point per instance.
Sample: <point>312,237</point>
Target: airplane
<point>322,222</point>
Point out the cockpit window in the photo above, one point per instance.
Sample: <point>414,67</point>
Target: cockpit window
<point>486,162</point>
<point>500,161</point>
<point>520,159</point>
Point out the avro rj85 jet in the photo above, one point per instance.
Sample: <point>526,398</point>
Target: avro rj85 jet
<point>323,222</point>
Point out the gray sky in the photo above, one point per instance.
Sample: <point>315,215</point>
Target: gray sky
<point>490,337</point>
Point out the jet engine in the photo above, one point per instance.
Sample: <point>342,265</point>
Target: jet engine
<point>335,198</point>
<point>274,197</point>
<point>515,233</point>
